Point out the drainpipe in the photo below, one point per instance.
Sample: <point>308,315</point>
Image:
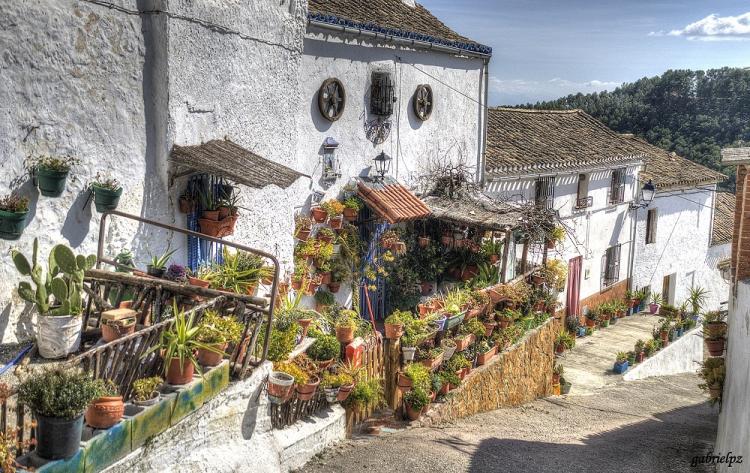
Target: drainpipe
<point>633,231</point>
<point>485,111</point>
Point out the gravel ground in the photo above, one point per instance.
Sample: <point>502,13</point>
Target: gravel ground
<point>654,425</point>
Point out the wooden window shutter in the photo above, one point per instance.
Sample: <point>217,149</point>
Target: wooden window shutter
<point>617,188</point>
<point>651,221</point>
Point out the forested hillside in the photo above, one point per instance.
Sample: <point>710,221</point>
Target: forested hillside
<point>694,113</point>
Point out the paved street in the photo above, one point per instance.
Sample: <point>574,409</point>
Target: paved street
<point>654,425</point>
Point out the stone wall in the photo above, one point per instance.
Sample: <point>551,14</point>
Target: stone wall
<point>616,291</point>
<point>516,376</point>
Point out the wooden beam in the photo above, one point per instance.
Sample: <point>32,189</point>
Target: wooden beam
<point>506,254</point>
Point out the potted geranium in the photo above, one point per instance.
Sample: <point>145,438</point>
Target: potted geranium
<point>58,296</point>
<point>13,212</point>
<point>107,408</point>
<point>217,332</point>
<point>58,399</point>
<point>51,173</point>
<point>352,206</point>
<point>178,346</point>
<point>107,191</point>
<point>146,391</point>
<point>334,210</point>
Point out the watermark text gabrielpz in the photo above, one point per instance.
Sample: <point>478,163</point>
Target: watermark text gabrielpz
<point>711,459</point>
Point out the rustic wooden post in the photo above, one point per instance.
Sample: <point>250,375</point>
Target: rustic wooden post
<point>391,367</point>
<point>525,256</point>
<point>506,254</point>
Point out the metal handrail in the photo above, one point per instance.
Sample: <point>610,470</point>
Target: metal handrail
<point>277,267</point>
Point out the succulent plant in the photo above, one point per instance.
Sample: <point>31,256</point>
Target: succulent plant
<point>63,280</point>
<point>176,273</point>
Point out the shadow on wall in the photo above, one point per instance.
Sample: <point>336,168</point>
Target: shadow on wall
<point>24,324</point>
<point>250,417</point>
<point>665,444</point>
<point>77,220</point>
<point>320,122</point>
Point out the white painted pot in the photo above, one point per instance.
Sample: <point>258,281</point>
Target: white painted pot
<point>409,353</point>
<point>332,395</point>
<point>57,337</point>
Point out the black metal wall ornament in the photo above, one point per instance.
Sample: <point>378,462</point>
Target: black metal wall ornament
<point>382,95</point>
<point>422,102</point>
<point>332,99</point>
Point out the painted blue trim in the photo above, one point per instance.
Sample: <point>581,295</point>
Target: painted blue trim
<point>395,32</point>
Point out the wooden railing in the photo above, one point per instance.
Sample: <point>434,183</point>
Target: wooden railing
<point>15,417</point>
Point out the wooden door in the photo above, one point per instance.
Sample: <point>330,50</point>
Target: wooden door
<point>575,266</point>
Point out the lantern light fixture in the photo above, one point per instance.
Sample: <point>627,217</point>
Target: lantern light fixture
<point>382,164</point>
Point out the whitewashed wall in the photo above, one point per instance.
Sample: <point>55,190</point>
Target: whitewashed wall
<point>594,229</point>
<point>72,76</point>
<point>683,235</point>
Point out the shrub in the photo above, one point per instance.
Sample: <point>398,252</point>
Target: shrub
<point>325,298</point>
<point>399,317</point>
<point>418,374</point>
<point>449,377</point>
<point>143,388</point>
<point>325,348</point>
<point>282,343</point>
<point>59,393</point>
<point>348,319</point>
<point>367,393</point>
<point>473,326</point>
<point>417,399</point>
<point>215,329</point>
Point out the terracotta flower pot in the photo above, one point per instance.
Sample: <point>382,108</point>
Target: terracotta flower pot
<point>344,392</point>
<point>715,347</point>
<point>305,324</point>
<point>307,391</point>
<point>325,238</point>
<point>444,389</point>
<point>303,235</point>
<point>224,212</point>
<point>198,282</point>
<point>279,386</point>
<point>345,334</point>
<point>424,241</point>
<point>555,378</point>
<point>464,342</point>
<point>404,383</point>
<point>394,331</point>
<point>433,363</point>
<point>350,214</point>
<point>715,329</point>
<point>179,374</point>
<point>639,357</point>
<point>209,358</point>
<point>494,259</point>
<point>503,323</point>
<point>318,214</point>
<point>336,222</point>
<point>325,278</point>
<point>423,309</point>
<point>489,327</point>
<point>187,206</point>
<point>105,412</point>
<point>113,331</point>
<point>484,358</point>
<point>210,215</point>
<point>413,414</point>
<point>590,323</point>
<point>559,349</point>
<point>323,365</point>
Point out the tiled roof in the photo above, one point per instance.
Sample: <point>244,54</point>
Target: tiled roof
<point>392,201</point>
<point>667,170</point>
<point>479,211</point>
<point>522,140</point>
<point>229,160</point>
<point>392,18</point>
<point>723,218</point>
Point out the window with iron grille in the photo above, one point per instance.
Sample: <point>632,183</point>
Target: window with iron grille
<point>611,266</point>
<point>617,189</point>
<point>583,200</point>
<point>545,192</point>
<point>651,226</point>
<point>382,96</point>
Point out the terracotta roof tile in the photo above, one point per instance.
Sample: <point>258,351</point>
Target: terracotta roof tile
<point>391,17</point>
<point>723,218</point>
<point>392,201</point>
<point>668,170</point>
<point>522,140</point>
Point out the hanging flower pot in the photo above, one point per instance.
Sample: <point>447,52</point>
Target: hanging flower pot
<point>336,222</point>
<point>408,353</point>
<point>12,224</point>
<point>344,392</point>
<point>51,182</point>
<point>224,212</point>
<point>279,386</point>
<point>105,198</point>
<point>715,347</point>
<point>424,241</point>
<point>210,215</point>
<point>394,331</point>
<point>186,205</point>
<point>404,383</point>
<point>318,214</point>
<point>210,227</point>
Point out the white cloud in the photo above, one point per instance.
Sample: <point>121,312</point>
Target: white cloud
<point>516,91</point>
<point>714,28</point>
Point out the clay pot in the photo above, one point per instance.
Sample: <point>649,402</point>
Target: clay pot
<point>489,327</point>
<point>125,305</point>
<point>325,278</point>
<point>187,206</point>
<point>559,349</point>
<point>494,259</point>
<point>198,282</point>
<point>306,391</point>
<point>444,389</point>
<point>590,323</point>
<point>463,343</point>
<point>303,235</point>
<point>344,392</point>
<point>550,244</point>
<point>114,331</point>
<point>177,377</point>
<point>336,222</point>
<point>334,287</point>
<point>350,214</point>
<point>555,378</point>
<point>305,324</point>
<point>715,329</point>
<point>484,358</point>
<point>413,414</point>
<point>556,389</point>
<point>639,357</point>
<point>345,334</point>
<point>323,365</point>
<point>296,284</point>
<point>503,323</point>
<point>424,241</point>
<point>209,358</point>
<point>224,213</point>
<point>404,383</point>
<point>105,412</point>
<point>433,363</point>
<point>279,386</point>
<point>318,214</point>
<point>715,347</point>
<point>394,331</point>
<point>210,215</point>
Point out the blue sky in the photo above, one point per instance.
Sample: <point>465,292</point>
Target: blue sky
<point>545,49</point>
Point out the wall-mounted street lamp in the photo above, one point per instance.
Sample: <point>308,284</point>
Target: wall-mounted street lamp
<point>648,192</point>
<point>382,165</point>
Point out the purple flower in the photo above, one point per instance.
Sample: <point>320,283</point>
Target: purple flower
<point>177,273</point>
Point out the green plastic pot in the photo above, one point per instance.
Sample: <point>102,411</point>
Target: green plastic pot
<point>106,199</point>
<point>12,224</point>
<point>51,182</point>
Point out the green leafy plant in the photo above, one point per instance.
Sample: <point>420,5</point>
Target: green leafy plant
<point>332,207</point>
<point>293,370</point>
<point>368,393</point>
<point>104,181</point>
<point>417,399</point>
<point>215,329</point>
<point>418,374</point>
<point>399,317</point>
<point>448,376</point>
<point>697,298</point>
<point>324,348</point>
<point>52,163</point>
<point>621,357</point>
<point>281,343</point>
<point>160,261</point>
<point>565,339</point>
<point>354,203</point>
<point>474,327</point>
<point>59,393</point>
<point>331,380</point>
<point>63,280</point>
<point>207,200</point>
<point>492,247</point>
<point>657,298</point>
<point>144,388</point>
<point>325,298</point>
<point>348,319</point>
<point>713,373</point>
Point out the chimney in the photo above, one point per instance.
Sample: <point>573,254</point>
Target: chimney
<point>740,265</point>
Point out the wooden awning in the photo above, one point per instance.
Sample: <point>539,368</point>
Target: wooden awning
<point>392,201</point>
<point>227,159</point>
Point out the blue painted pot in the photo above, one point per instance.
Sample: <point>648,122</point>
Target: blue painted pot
<point>620,368</point>
<point>581,332</point>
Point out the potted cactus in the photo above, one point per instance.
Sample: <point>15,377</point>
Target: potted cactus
<point>13,212</point>
<point>59,325</point>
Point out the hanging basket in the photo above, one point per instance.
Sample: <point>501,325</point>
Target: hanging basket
<point>106,199</point>
<point>12,224</point>
<point>51,182</point>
